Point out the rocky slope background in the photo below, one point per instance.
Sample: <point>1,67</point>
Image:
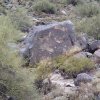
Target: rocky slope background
<point>49,50</point>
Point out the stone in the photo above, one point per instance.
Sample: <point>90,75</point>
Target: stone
<point>97,55</point>
<point>87,44</point>
<point>61,98</point>
<point>93,46</point>
<point>83,41</point>
<point>59,81</point>
<point>63,12</point>
<point>3,89</point>
<point>10,98</point>
<point>48,41</point>
<point>47,86</point>
<point>97,97</point>
<point>82,78</point>
<point>80,55</point>
<point>89,55</point>
<point>40,23</point>
<point>83,55</point>
<point>7,1</point>
<point>24,52</point>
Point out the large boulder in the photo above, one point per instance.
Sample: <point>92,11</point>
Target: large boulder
<point>47,41</point>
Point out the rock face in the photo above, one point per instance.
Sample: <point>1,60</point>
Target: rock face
<point>82,78</point>
<point>46,41</point>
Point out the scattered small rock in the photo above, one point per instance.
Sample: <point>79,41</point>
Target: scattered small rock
<point>10,98</point>
<point>63,12</point>
<point>82,78</point>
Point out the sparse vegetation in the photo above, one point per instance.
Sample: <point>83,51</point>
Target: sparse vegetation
<point>88,10</point>
<point>44,68</point>
<point>8,34</point>
<point>81,93</point>
<point>20,20</point>
<point>91,26</point>
<point>73,66</point>
<point>44,6</point>
<point>2,10</point>
<point>10,62</point>
<point>16,18</point>
<point>70,65</point>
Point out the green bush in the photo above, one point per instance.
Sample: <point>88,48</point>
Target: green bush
<point>91,26</point>
<point>8,34</point>
<point>19,85</point>
<point>44,6</point>
<point>2,10</point>
<point>43,69</point>
<point>14,78</point>
<point>20,19</point>
<point>58,61</point>
<point>70,65</point>
<point>88,10</point>
<point>74,66</point>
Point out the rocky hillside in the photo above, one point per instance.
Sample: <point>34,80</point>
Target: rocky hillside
<point>49,50</point>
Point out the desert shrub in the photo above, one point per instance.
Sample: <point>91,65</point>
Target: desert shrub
<point>2,10</point>
<point>44,68</point>
<point>59,60</point>
<point>18,84</point>
<point>8,34</point>
<point>75,2</point>
<point>12,76</point>
<point>91,26</point>
<point>44,6</point>
<point>74,66</point>
<point>88,10</point>
<point>20,19</point>
<point>70,65</point>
